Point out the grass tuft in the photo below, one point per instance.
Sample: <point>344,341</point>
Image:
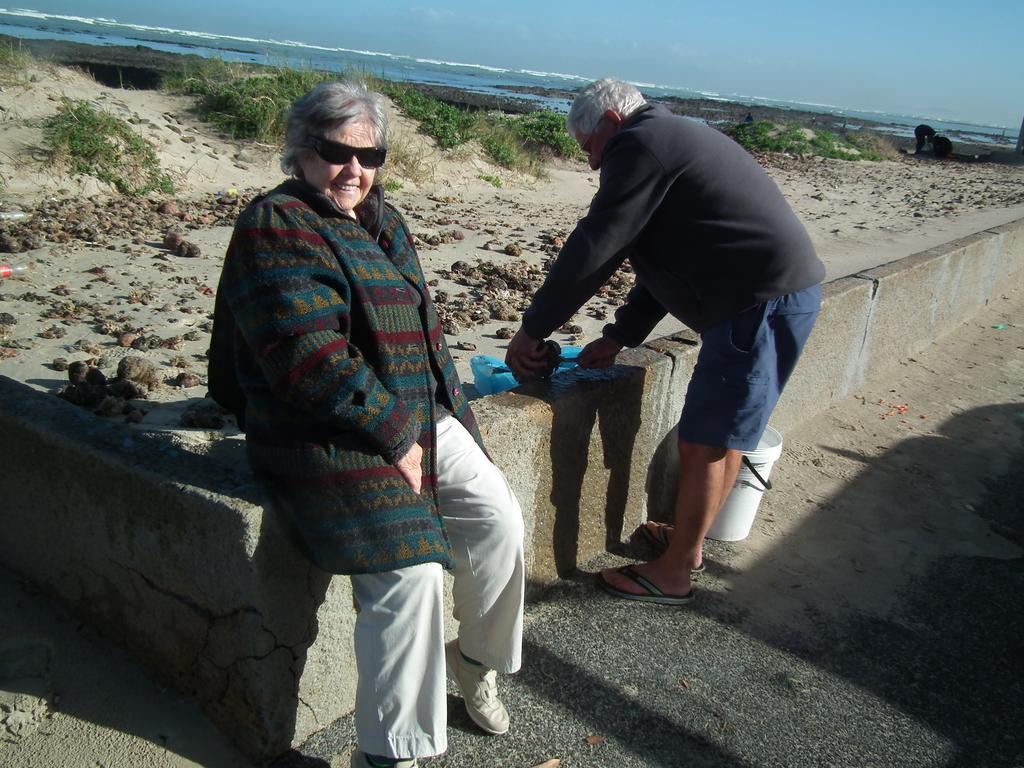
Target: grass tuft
<point>446,124</point>
<point>14,62</point>
<point>244,101</point>
<point>767,137</point>
<point>410,159</point>
<point>518,143</point>
<point>94,143</point>
<point>249,102</point>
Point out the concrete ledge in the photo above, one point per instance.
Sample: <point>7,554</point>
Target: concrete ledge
<point>172,556</point>
<point>171,553</point>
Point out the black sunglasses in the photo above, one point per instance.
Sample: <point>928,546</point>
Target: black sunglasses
<point>336,153</point>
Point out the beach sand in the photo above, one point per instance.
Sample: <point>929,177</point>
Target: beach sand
<point>102,286</point>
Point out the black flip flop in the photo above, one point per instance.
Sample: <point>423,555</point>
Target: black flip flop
<point>658,541</point>
<point>654,594</point>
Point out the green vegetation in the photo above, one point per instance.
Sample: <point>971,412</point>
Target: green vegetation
<point>246,102</point>
<point>502,145</point>
<point>447,125</point>
<point>523,142</point>
<point>547,129</point>
<point>95,143</point>
<point>14,60</point>
<point>494,181</point>
<point>763,136</point>
<point>767,137</point>
<point>251,102</point>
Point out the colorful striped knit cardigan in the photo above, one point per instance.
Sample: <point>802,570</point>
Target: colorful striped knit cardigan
<point>342,361</point>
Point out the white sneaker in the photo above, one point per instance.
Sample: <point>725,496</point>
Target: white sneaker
<point>479,690</point>
<point>359,761</point>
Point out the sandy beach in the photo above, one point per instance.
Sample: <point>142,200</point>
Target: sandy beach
<point>102,285</point>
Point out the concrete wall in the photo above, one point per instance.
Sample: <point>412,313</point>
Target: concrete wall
<point>173,556</point>
<point>171,553</point>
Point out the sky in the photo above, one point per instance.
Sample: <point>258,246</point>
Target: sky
<point>947,60</point>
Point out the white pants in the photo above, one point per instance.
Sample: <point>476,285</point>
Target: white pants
<point>401,704</point>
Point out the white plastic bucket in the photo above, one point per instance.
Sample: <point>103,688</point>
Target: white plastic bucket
<point>737,514</point>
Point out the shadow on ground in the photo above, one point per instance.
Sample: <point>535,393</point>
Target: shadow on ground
<point>822,675</point>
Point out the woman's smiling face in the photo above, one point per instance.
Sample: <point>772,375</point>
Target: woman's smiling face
<point>349,184</point>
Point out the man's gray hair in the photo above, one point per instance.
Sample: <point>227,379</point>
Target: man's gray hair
<point>325,109</point>
<point>597,98</point>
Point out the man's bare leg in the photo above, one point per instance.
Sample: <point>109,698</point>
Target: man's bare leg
<point>706,475</point>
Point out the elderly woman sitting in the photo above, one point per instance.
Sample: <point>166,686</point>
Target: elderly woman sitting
<point>357,425</point>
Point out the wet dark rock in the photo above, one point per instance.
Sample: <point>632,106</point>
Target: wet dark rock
<point>172,239</point>
<point>496,284</point>
<point>127,389</point>
<point>77,372</point>
<point>85,395</point>
<point>501,310</point>
<point>140,371</point>
<point>95,377</point>
<point>185,379</point>
<point>10,244</point>
<point>6,318</point>
<point>109,406</point>
<point>203,415</point>
<point>188,250</point>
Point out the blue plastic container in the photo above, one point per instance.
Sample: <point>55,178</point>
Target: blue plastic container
<point>491,375</point>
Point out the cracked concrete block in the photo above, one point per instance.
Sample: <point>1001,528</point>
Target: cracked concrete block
<point>130,532</point>
<point>928,294</point>
<point>576,450</point>
<point>1011,249</point>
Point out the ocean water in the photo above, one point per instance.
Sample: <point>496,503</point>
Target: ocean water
<point>480,78</point>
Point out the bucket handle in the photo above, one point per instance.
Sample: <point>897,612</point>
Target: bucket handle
<point>766,483</point>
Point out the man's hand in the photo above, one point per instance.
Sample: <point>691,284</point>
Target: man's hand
<point>410,467</point>
<point>526,356</point>
<point>599,353</point>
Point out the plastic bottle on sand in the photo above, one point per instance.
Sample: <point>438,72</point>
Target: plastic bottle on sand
<point>12,270</point>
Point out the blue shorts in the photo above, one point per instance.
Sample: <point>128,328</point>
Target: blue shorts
<point>742,367</point>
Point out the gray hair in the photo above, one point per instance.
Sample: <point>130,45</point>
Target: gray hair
<point>596,99</point>
<point>325,109</point>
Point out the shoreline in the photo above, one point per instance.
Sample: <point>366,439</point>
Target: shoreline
<point>141,67</point>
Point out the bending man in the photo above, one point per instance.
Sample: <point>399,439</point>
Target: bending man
<point>713,242</point>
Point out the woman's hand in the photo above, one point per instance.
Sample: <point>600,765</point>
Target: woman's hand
<point>599,353</point>
<point>409,467</point>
